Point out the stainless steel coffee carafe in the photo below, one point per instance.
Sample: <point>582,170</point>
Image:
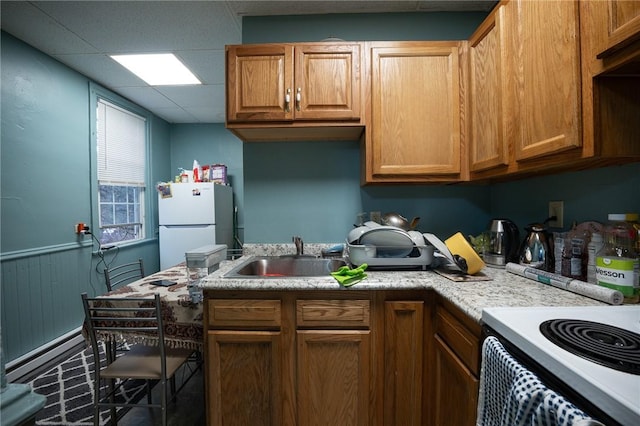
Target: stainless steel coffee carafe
<point>504,240</point>
<point>537,248</point>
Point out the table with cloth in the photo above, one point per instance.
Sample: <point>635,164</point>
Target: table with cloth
<point>182,319</point>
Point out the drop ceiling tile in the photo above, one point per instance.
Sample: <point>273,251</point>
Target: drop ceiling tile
<point>207,65</point>
<point>137,26</point>
<point>31,25</point>
<point>175,115</point>
<point>194,96</point>
<point>147,97</point>
<point>213,114</point>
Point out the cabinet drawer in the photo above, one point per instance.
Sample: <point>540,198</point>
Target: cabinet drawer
<point>244,313</point>
<point>333,313</point>
<point>458,337</point>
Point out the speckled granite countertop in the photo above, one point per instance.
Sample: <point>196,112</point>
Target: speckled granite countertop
<point>503,289</point>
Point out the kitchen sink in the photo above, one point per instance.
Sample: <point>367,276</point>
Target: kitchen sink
<point>284,267</point>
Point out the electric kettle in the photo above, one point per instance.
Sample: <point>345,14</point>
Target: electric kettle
<point>504,241</point>
<point>536,250</point>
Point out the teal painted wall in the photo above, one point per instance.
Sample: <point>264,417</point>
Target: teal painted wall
<point>45,190</point>
<point>313,189</point>
<point>45,152</point>
<point>361,27</point>
<point>588,195</point>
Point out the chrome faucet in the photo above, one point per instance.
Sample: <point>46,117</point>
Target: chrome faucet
<point>299,245</point>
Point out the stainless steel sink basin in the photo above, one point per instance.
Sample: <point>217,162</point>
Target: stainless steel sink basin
<point>284,267</point>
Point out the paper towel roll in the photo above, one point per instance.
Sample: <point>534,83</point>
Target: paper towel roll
<point>593,291</point>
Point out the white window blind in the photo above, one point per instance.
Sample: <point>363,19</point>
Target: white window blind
<point>121,145</point>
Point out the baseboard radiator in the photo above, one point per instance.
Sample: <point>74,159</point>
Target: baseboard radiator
<point>40,356</point>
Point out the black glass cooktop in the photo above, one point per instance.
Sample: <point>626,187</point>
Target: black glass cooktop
<point>604,344</point>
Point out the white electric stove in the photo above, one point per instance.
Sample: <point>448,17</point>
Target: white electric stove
<point>611,385</point>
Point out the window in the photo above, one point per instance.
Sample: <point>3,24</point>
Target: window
<point>121,164</point>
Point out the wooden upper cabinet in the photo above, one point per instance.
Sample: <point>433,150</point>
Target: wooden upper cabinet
<point>539,96</point>
<point>413,132</point>
<point>488,140</point>
<point>543,77</point>
<point>327,82</point>
<point>285,82</point>
<point>258,77</point>
<point>622,25</point>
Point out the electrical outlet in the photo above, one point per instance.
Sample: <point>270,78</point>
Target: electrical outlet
<point>556,208</point>
<point>81,228</point>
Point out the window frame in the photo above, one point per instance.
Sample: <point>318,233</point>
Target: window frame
<point>97,92</point>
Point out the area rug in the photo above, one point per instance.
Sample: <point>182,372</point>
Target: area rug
<point>69,391</point>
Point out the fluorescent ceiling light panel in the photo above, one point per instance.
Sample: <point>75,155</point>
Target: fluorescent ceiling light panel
<point>162,69</point>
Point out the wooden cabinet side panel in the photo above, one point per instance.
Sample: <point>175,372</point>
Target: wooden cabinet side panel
<point>547,69</point>
<point>244,378</point>
<point>403,361</point>
<point>456,389</point>
<point>415,111</point>
<point>333,377</point>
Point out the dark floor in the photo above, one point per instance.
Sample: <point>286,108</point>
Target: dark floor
<point>187,409</point>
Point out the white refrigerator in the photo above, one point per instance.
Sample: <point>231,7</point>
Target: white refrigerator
<point>192,216</point>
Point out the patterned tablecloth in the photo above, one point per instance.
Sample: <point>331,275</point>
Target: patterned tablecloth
<point>182,318</point>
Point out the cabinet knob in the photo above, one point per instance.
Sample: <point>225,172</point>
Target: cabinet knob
<point>298,98</point>
<point>287,100</point>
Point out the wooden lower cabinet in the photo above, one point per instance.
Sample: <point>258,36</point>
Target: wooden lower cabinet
<point>333,377</point>
<point>392,358</point>
<point>253,397</point>
<point>456,366</point>
<point>403,362</point>
<point>456,389</point>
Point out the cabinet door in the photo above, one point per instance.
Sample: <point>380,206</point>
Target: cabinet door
<point>623,25</point>
<point>403,349</point>
<point>260,83</point>
<point>244,378</point>
<point>545,72</point>
<point>488,144</point>
<point>415,112</point>
<point>327,82</point>
<point>456,389</point>
<point>333,377</point>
